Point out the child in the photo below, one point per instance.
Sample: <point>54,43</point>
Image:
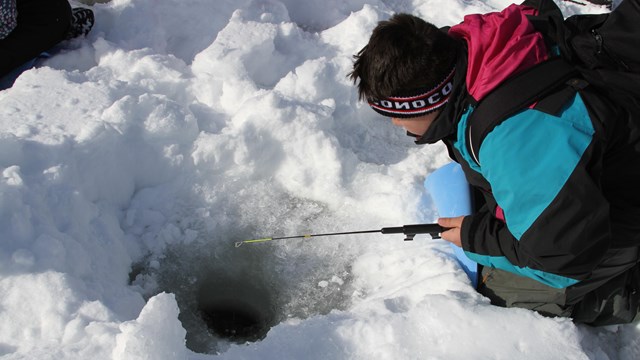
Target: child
<point>559,232</point>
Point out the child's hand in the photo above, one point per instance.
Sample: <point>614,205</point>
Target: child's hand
<point>454,224</point>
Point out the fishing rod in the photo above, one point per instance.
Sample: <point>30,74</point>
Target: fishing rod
<point>410,231</point>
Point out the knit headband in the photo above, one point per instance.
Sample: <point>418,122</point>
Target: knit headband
<point>421,102</point>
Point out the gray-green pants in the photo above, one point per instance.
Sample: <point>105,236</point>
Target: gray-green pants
<point>614,302</point>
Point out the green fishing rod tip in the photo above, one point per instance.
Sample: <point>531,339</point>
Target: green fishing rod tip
<point>239,243</point>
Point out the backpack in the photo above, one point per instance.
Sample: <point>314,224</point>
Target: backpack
<point>597,50</point>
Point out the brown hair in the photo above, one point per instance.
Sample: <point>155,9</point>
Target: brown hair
<point>404,53</point>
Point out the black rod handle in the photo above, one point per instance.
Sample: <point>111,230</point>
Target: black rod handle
<point>411,230</point>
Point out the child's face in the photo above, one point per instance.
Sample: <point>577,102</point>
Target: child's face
<point>417,125</point>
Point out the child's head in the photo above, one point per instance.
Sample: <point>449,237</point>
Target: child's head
<point>406,68</point>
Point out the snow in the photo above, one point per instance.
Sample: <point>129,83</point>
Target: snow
<point>135,158</point>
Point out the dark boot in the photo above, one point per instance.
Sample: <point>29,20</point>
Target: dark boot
<point>82,21</point>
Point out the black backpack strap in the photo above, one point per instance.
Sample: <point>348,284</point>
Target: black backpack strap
<point>518,93</point>
<point>544,8</point>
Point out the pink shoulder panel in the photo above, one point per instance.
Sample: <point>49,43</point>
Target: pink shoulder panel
<point>500,44</point>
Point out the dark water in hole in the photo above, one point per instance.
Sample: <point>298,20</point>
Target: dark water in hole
<point>235,322</point>
<point>236,309</point>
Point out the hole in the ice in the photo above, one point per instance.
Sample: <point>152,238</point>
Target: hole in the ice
<point>230,295</point>
<point>234,310</point>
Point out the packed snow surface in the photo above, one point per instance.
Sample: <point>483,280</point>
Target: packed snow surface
<point>135,158</point>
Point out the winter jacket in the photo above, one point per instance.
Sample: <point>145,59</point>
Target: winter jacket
<point>560,191</point>
<point>8,17</point>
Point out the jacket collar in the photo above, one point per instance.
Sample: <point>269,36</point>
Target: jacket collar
<point>445,125</point>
